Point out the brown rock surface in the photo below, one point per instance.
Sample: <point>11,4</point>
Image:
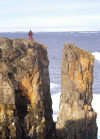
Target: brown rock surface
<point>76,119</point>
<point>25,101</point>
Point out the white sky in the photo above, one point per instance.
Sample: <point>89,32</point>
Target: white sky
<point>44,15</point>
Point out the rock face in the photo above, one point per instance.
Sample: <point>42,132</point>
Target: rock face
<point>25,101</point>
<point>76,119</point>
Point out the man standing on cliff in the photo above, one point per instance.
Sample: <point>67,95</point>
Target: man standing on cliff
<point>30,34</point>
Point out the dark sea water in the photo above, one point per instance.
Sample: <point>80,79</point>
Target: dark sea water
<point>89,41</point>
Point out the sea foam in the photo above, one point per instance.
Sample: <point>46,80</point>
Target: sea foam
<point>96,55</point>
<point>55,105</point>
<point>53,85</point>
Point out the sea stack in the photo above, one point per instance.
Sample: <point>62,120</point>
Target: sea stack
<point>76,118</point>
<point>25,101</point>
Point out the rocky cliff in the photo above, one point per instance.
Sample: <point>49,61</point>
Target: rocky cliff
<point>25,101</point>
<point>76,119</point>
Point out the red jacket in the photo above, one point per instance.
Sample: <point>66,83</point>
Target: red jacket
<point>30,33</point>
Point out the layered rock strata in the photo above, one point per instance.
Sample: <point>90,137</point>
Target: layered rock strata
<point>25,101</point>
<point>76,119</point>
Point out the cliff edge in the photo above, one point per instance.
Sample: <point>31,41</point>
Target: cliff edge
<point>25,101</point>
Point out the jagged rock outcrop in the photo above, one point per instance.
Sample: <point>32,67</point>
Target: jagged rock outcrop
<point>25,101</point>
<point>76,119</point>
